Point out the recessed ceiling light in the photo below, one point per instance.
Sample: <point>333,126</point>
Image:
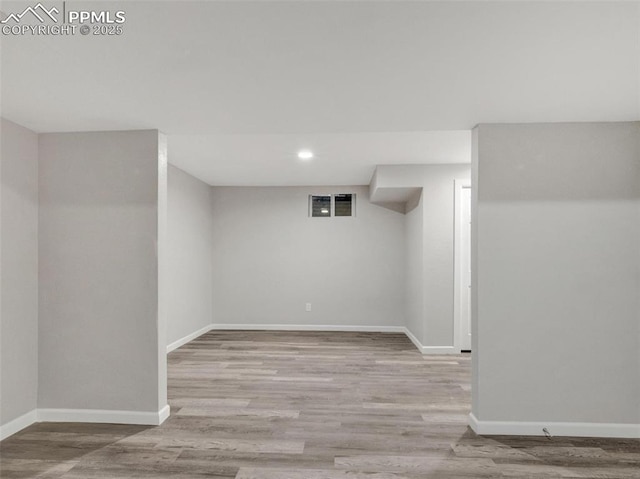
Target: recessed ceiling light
<point>324,211</point>
<point>305,154</point>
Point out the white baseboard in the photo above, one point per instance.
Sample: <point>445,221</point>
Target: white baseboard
<point>309,327</point>
<point>163,414</point>
<point>188,338</point>
<point>18,424</point>
<point>312,327</point>
<point>282,327</point>
<point>574,429</point>
<point>83,415</point>
<point>413,339</point>
<point>321,327</point>
<point>429,349</point>
<point>104,416</point>
<point>439,350</point>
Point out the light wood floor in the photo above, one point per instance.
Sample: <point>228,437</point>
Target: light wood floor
<point>303,405</point>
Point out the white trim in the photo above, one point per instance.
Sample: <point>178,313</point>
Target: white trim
<point>334,327</point>
<point>440,350</point>
<point>188,338</point>
<point>104,416</point>
<point>473,423</point>
<point>413,339</point>
<point>83,415</point>
<point>430,349</point>
<point>316,327</point>
<point>459,185</point>
<point>309,327</point>
<point>18,424</point>
<point>574,429</point>
<point>163,414</point>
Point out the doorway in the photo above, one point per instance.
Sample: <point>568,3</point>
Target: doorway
<point>462,262</point>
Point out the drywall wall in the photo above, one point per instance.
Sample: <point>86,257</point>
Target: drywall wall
<point>163,286</point>
<point>189,256</point>
<point>557,261</point>
<point>414,271</point>
<point>475,341</point>
<point>429,225</point>
<point>270,259</point>
<point>18,274</point>
<point>101,226</point>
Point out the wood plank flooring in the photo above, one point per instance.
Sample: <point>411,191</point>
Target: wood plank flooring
<point>309,405</point>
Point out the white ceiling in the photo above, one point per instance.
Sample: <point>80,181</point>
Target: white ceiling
<point>340,158</point>
<point>238,87</point>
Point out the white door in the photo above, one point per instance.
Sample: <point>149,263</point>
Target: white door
<point>465,270</point>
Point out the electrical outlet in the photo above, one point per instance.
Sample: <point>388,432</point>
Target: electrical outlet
<point>307,307</point>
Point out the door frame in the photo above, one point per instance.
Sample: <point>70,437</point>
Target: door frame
<point>459,185</point>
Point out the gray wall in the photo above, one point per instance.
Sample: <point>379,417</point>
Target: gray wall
<point>270,258</point>
<point>414,271</point>
<point>18,272</point>
<point>557,257</point>
<point>99,282</point>
<point>189,255</point>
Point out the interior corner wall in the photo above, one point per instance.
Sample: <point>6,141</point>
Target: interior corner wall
<point>18,274</point>
<point>99,318</point>
<point>557,312</point>
<point>414,271</point>
<point>270,259</point>
<point>189,257</point>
